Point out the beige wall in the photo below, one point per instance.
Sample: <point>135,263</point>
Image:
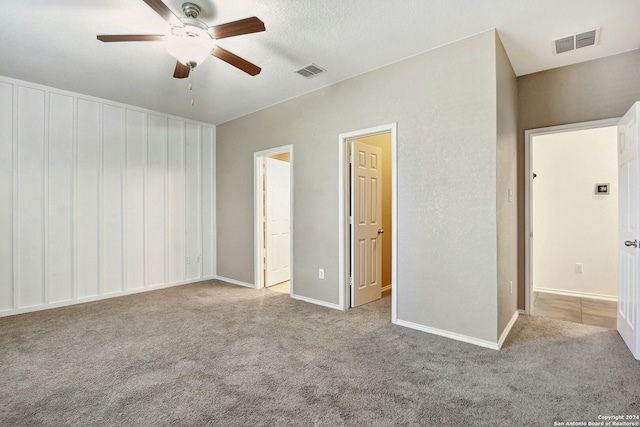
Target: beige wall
<point>384,142</point>
<point>593,90</point>
<point>506,180</point>
<point>444,103</point>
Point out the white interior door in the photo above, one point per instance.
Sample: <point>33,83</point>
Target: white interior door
<point>628,279</point>
<point>277,221</point>
<point>366,212</point>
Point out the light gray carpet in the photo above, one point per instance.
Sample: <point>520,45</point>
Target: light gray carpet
<point>221,355</point>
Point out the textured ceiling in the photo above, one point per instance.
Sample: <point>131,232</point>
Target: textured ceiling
<point>53,42</point>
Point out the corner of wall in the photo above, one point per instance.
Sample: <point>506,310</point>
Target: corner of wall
<point>506,188</point>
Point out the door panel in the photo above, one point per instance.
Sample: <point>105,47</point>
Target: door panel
<point>628,284</point>
<point>277,221</point>
<point>366,258</point>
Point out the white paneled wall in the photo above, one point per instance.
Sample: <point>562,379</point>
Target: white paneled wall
<point>176,203</point>
<point>6,199</point>
<point>99,199</point>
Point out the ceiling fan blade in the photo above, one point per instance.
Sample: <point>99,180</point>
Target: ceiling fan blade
<point>182,71</point>
<point>130,38</point>
<point>237,28</point>
<point>166,13</point>
<point>236,61</point>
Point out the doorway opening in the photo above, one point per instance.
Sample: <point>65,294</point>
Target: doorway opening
<point>571,220</point>
<point>273,205</point>
<point>367,177</point>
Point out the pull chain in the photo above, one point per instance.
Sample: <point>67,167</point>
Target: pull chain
<point>191,87</point>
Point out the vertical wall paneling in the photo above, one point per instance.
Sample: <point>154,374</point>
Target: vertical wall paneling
<point>6,195</point>
<point>176,201</point>
<point>89,170</point>
<point>60,199</point>
<point>99,199</point>
<point>112,209</point>
<point>208,202</point>
<point>156,200</point>
<point>193,201</point>
<point>29,254</point>
<point>45,203</point>
<point>135,195</point>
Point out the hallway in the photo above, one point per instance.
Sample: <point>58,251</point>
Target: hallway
<point>587,311</point>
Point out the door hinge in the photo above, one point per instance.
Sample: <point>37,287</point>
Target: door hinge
<point>350,220</point>
<point>531,234</point>
<point>264,267</point>
<point>350,158</point>
<point>351,281</point>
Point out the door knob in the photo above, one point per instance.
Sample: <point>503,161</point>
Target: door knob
<point>380,231</point>
<point>627,243</point>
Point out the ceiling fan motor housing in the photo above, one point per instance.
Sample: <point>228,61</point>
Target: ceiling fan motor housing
<point>191,10</point>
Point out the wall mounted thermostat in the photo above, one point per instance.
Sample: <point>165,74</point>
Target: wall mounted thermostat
<point>602,188</point>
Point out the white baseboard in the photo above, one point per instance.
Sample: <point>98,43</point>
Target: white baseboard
<point>317,302</point>
<point>576,294</point>
<point>451,335</point>
<point>508,328</point>
<point>82,300</point>
<point>236,282</point>
<point>294,296</point>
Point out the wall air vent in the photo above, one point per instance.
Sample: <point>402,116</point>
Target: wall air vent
<point>310,70</point>
<point>576,41</point>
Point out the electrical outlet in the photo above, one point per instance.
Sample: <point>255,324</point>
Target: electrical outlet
<point>510,287</point>
<point>579,267</point>
<point>321,273</point>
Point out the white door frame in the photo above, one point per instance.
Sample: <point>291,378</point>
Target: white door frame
<point>258,209</point>
<point>343,206</point>
<point>528,199</point>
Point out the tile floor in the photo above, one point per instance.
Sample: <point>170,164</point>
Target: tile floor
<point>284,287</point>
<point>588,311</point>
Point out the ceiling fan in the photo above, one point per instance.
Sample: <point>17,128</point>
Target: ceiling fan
<point>191,41</point>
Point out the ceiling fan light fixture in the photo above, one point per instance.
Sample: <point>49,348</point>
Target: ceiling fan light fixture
<point>191,41</point>
<point>190,44</point>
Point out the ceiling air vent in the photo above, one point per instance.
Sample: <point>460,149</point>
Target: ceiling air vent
<point>564,45</point>
<point>586,39</point>
<point>576,41</point>
<point>310,70</point>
